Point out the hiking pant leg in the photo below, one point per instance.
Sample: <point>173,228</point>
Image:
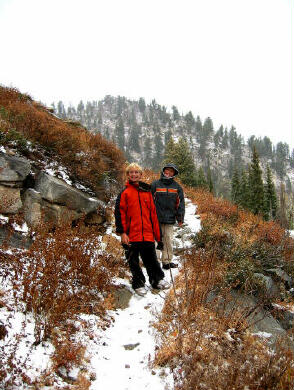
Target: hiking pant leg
<point>149,258</point>
<point>138,278</point>
<point>167,233</point>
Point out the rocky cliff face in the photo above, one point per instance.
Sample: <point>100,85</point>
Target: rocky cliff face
<point>40,198</point>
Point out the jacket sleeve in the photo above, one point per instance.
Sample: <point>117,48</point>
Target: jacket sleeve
<point>120,213</point>
<point>155,222</point>
<point>181,207</point>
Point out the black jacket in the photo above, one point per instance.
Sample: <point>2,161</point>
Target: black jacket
<point>168,198</point>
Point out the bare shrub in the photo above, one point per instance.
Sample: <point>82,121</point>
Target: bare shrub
<point>67,274</point>
<point>210,348</point>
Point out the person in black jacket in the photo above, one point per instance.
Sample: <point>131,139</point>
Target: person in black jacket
<point>170,206</point>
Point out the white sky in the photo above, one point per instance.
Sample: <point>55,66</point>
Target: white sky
<point>231,60</point>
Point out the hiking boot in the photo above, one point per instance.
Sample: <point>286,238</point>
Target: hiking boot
<point>141,291</point>
<point>169,265</point>
<point>162,285</point>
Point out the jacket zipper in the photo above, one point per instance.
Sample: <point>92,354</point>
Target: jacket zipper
<point>141,215</point>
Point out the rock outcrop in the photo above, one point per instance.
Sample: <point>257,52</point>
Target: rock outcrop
<point>45,199</point>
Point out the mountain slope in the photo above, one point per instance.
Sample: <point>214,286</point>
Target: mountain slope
<point>142,131</point>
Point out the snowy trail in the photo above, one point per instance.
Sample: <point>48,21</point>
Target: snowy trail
<point>121,356</point>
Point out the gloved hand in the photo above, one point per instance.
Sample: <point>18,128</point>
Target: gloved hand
<point>159,245</point>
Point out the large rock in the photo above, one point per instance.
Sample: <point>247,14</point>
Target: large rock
<point>282,276</point>
<point>58,215</point>
<point>259,320</point>
<point>38,211</point>
<point>57,191</point>
<point>13,169</point>
<point>270,289</point>
<point>32,208</point>
<point>10,200</point>
<point>14,239</point>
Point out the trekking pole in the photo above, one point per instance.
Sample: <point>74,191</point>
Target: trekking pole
<point>171,275</point>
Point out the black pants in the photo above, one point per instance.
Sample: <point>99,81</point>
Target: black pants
<point>147,252</point>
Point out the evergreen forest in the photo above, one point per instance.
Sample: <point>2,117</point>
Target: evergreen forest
<point>254,173</point>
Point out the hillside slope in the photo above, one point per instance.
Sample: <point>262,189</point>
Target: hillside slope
<point>27,127</point>
<point>142,131</point>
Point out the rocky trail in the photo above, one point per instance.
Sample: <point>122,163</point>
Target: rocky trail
<point>122,355</point>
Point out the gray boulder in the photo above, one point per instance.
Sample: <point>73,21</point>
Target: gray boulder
<point>270,288</point>
<point>13,169</point>
<point>32,208</point>
<point>282,276</point>
<point>57,191</point>
<point>10,200</point>
<point>14,239</point>
<point>259,320</point>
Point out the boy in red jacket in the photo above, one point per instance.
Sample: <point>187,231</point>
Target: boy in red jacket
<point>137,223</point>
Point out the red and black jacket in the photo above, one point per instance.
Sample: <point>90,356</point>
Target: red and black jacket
<point>135,213</point>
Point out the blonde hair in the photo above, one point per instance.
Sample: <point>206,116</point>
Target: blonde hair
<point>134,166</point>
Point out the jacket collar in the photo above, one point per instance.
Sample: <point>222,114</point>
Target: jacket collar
<point>166,180</point>
<point>139,185</point>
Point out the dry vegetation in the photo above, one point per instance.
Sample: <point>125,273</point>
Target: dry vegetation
<point>65,273</point>
<point>204,335</point>
<point>68,272</point>
<point>90,158</point>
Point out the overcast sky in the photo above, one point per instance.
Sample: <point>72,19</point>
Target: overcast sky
<point>231,60</point>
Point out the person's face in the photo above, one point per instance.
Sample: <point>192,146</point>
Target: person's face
<point>134,175</point>
<point>169,172</point>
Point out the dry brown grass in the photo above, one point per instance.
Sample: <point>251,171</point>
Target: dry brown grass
<point>89,157</point>
<point>206,347</point>
<point>65,273</point>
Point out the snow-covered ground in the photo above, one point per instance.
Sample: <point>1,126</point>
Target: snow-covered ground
<point>120,355</point>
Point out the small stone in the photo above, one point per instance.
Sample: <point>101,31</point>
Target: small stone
<point>153,372</point>
<point>3,332</point>
<point>140,331</point>
<point>130,347</point>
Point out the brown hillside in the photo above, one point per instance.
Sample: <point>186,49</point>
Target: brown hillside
<point>90,158</point>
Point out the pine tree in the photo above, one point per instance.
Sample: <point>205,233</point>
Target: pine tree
<point>256,185</point>
<point>158,152</point>
<point>208,128</point>
<point>270,197</point>
<point>147,159</point>
<point>281,155</point>
<point>244,190</point>
<point>201,180</point>
<point>61,110</point>
<point>282,209</point>
<point>176,115</point>
<point>189,119</point>
<point>120,134</point>
<point>236,188</point>
<point>133,141</point>
<point>169,151</point>
<point>291,159</point>
<point>180,154</point>
<point>142,104</point>
<point>167,136</point>
<point>209,180</point>
<point>225,140</point>
<point>80,110</point>
<point>198,129</point>
<point>217,138</point>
